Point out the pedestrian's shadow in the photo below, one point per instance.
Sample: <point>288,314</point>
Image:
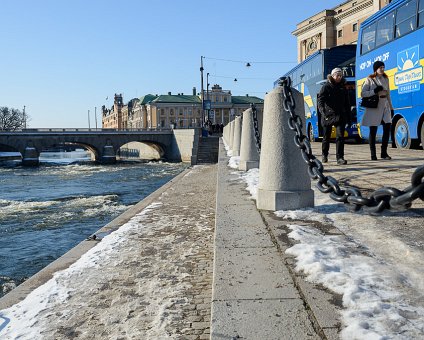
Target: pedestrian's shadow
<point>3,322</point>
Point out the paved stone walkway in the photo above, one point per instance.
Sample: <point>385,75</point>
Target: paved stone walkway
<point>155,282</point>
<point>369,175</point>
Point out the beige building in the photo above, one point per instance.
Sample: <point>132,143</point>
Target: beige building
<point>334,27</point>
<point>177,111</point>
<point>112,118</point>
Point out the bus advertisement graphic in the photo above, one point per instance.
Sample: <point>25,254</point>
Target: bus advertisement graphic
<point>410,73</point>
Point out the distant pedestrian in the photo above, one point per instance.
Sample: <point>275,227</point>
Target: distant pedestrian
<point>334,106</point>
<point>378,83</point>
<point>209,127</point>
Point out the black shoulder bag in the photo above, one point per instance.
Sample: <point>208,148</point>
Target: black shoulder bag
<point>370,102</point>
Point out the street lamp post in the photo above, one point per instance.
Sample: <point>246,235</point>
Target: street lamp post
<point>201,89</point>
<point>207,92</point>
<point>25,120</point>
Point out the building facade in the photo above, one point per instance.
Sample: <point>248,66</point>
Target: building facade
<point>177,111</point>
<point>334,27</point>
<point>112,118</point>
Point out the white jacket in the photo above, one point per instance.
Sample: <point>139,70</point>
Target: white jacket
<point>373,117</point>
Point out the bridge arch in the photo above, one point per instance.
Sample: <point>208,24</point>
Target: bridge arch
<point>142,149</point>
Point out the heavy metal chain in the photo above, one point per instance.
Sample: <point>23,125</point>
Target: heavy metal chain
<point>256,129</point>
<point>380,199</point>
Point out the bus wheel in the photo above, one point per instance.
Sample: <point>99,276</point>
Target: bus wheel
<point>311,133</point>
<point>401,134</point>
<point>422,135</point>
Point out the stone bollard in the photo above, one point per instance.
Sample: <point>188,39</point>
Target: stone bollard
<point>284,182</point>
<point>249,157</point>
<point>226,133</point>
<point>30,156</point>
<point>237,136</point>
<point>231,135</point>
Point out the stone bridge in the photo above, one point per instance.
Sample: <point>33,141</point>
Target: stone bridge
<point>173,145</point>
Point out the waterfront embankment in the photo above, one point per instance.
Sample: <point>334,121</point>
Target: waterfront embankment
<point>315,273</point>
<point>151,278</point>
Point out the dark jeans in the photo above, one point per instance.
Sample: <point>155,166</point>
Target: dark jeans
<point>340,130</point>
<point>384,140</point>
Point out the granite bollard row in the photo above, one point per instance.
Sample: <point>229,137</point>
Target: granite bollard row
<point>284,182</point>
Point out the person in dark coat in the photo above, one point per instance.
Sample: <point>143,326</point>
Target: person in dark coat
<point>334,106</point>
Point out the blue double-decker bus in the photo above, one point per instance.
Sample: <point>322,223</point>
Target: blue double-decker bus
<point>309,76</point>
<point>394,35</point>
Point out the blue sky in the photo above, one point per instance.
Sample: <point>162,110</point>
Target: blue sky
<point>62,58</point>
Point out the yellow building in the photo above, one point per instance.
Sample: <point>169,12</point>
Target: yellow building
<point>334,27</point>
<point>177,111</point>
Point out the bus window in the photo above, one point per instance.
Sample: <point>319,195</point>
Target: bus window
<point>421,13</point>
<point>385,30</point>
<point>406,18</point>
<point>368,39</point>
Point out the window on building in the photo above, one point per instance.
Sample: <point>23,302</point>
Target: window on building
<point>406,18</point>
<point>421,13</point>
<point>385,30</point>
<point>162,112</point>
<point>355,27</point>
<point>340,33</point>
<point>225,99</point>
<point>368,39</point>
<point>171,112</point>
<point>181,112</point>
<point>162,123</point>
<point>181,123</point>
<point>354,4</point>
<point>339,11</point>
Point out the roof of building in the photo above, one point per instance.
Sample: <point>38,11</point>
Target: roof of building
<point>181,98</point>
<point>246,100</point>
<point>147,98</point>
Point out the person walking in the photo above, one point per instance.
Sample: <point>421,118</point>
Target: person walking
<point>378,83</point>
<point>334,106</point>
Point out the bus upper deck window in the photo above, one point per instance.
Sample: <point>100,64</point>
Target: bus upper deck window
<point>406,18</point>
<point>385,29</point>
<point>368,39</point>
<point>421,13</point>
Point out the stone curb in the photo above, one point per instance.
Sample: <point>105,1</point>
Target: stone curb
<point>253,292</point>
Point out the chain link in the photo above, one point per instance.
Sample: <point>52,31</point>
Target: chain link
<point>379,200</point>
<point>256,129</point>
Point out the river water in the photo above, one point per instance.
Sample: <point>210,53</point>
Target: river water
<point>47,210</point>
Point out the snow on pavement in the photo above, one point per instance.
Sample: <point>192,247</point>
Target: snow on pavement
<point>150,279</point>
<point>379,277</point>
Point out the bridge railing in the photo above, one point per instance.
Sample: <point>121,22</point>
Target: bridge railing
<point>55,130</point>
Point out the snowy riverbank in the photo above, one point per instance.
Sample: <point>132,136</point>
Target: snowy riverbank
<point>379,277</point>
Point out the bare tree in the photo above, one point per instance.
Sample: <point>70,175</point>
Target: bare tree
<point>12,119</point>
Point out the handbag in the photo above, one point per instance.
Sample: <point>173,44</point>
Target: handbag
<point>370,102</point>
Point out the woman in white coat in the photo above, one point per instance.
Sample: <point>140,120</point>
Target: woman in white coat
<point>378,83</point>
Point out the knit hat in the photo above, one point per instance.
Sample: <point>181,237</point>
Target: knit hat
<point>336,70</point>
<point>377,65</point>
